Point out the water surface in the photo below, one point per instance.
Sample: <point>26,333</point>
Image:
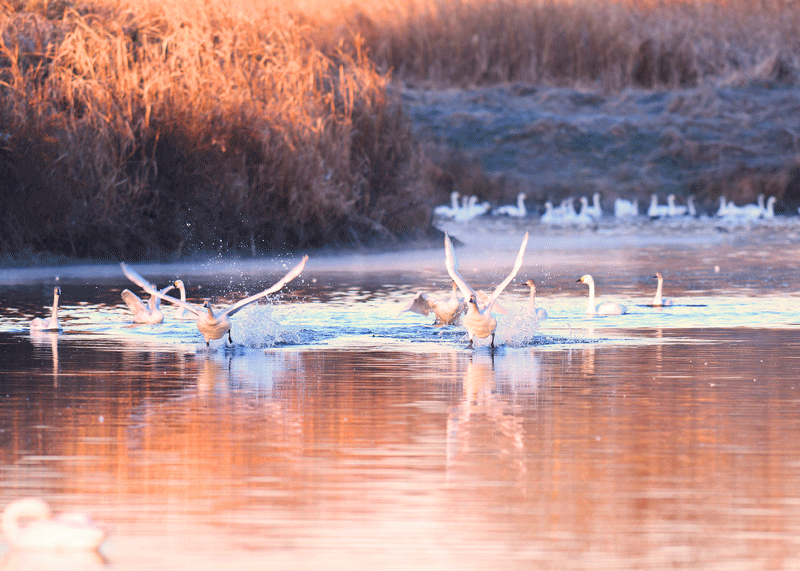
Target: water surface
<point>336,434</point>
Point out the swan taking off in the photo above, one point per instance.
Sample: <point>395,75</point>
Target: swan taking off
<point>52,324</point>
<point>149,313</point>
<point>214,325</point>
<point>659,301</point>
<point>605,308</point>
<point>448,312</point>
<point>539,314</point>
<point>479,322</point>
<point>28,524</point>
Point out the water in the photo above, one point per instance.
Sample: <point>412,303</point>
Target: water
<point>338,435</point>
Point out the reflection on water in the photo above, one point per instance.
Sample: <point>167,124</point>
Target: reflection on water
<point>336,435</point>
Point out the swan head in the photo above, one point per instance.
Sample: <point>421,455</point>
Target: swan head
<point>586,279</point>
<point>179,284</point>
<point>207,305</point>
<point>473,300</point>
<point>658,276</point>
<point>531,284</point>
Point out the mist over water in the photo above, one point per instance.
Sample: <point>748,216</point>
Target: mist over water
<point>336,433</point>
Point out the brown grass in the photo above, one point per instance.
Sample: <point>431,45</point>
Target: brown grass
<point>136,129</point>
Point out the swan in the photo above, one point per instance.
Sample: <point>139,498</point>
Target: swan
<point>479,322</point>
<point>549,216</point>
<point>769,211</point>
<point>540,313</point>
<point>214,325</point>
<point>659,301</point>
<point>605,308</point>
<point>748,211</point>
<point>594,210</point>
<point>149,313</point>
<point>52,324</point>
<point>471,209</point>
<point>722,211</point>
<point>690,207</point>
<point>450,211</point>
<point>675,210</point>
<point>625,208</point>
<point>182,313</point>
<point>656,210</point>
<point>42,532</point>
<point>518,211</point>
<point>448,312</point>
<point>584,216</point>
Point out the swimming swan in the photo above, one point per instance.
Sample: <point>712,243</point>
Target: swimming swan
<point>539,314</point>
<point>149,313</point>
<point>518,211</point>
<point>479,322</point>
<point>450,211</point>
<point>182,313</point>
<point>42,532</point>
<point>214,325</point>
<point>52,324</point>
<point>659,301</point>
<point>605,308</point>
<point>448,312</point>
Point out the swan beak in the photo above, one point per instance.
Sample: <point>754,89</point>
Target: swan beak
<point>579,280</point>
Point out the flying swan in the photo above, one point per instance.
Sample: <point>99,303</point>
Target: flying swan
<point>447,312</point>
<point>52,324</point>
<point>479,322</point>
<point>605,308</point>
<point>28,524</point>
<point>214,325</point>
<point>150,312</point>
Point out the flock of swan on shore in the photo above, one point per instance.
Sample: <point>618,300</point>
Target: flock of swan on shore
<point>463,209</point>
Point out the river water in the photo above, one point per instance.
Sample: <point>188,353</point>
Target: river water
<point>336,434</point>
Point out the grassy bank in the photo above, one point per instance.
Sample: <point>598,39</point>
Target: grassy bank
<point>142,129</point>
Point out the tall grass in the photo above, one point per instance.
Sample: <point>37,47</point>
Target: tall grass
<point>136,132</point>
<point>149,128</point>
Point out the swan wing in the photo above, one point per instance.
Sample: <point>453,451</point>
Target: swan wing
<point>293,273</point>
<point>451,262</point>
<point>517,265</point>
<point>133,302</point>
<point>132,275</point>
<point>420,304</point>
<point>483,300</point>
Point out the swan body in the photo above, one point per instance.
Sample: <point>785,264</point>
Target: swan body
<point>149,313</point>
<point>656,210</point>
<point>605,308</point>
<point>518,211</point>
<point>447,312</point>
<point>450,211</point>
<point>471,209</point>
<point>746,212</point>
<point>675,210</point>
<point>479,321</point>
<point>625,208</point>
<point>182,313</point>
<point>52,324</point>
<point>214,325</point>
<point>28,524</point>
<point>658,300</point>
<point>584,216</point>
<point>538,313</point>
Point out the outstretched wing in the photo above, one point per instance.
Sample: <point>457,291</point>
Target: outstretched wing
<point>419,304</point>
<point>133,302</point>
<point>131,274</point>
<point>293,273</point>
<point>451,263</point>
<point>517,265</point>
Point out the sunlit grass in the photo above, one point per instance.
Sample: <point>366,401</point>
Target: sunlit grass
<point>152,127</point>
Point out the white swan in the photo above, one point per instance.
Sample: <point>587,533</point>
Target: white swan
<point>722,211</point>
<point>518,211</point>
<point>625,208</point>
<point>538,313</point>
<point>52,324</point>
<point>656,210</point>
<point>447,312</point>
<point>605,308</point>
<point>150,312</point>
<point>182,313</point>
<point>42,532</point>
<point>769,211</point>
<point>479,321</point>
<point>450,211</point>
<point>214,325</point>
<point>659,301</point>
<point>675,210</point>
<point>584,216</point>
<point>595,211</point>
<point>471,209</point>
